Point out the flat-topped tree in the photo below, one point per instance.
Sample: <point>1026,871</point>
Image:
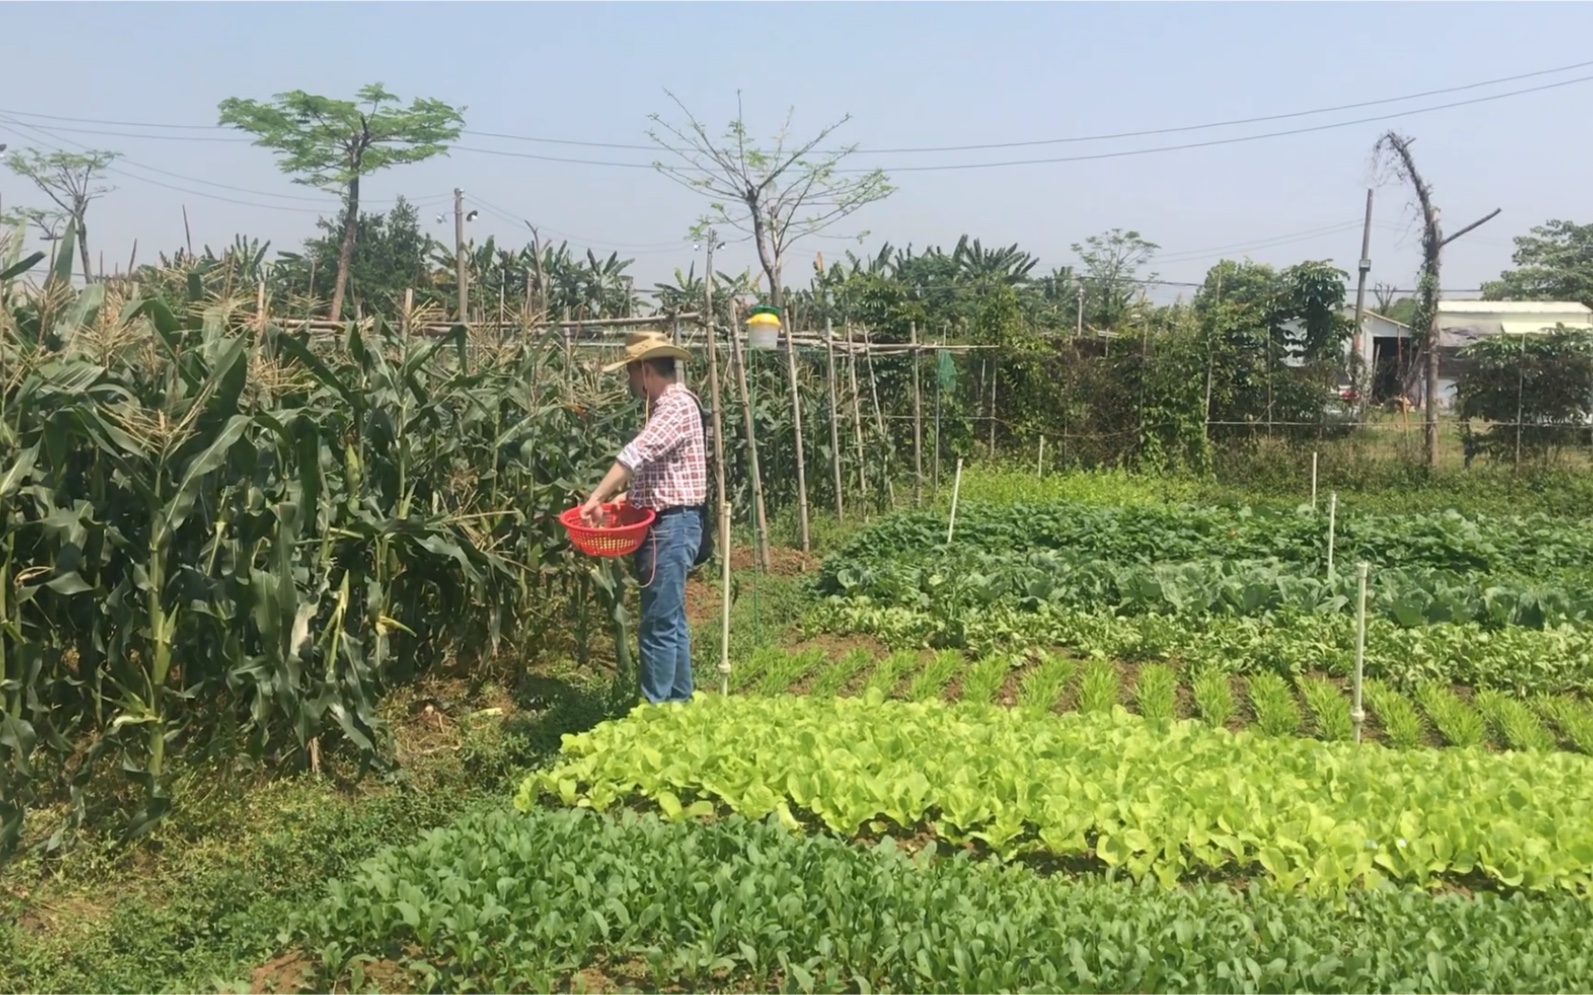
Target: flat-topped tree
<point>328,143</point>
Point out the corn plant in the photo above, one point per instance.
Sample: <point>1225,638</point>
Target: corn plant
<point>207,527</point>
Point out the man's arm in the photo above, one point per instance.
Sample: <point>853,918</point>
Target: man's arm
<point>617,476</point>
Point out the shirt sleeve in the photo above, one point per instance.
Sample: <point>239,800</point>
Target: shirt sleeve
<point>664,433</point>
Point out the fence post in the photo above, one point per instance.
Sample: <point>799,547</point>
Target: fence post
<point>1357,713</point>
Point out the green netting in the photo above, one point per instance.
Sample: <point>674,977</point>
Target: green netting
<point>945,370</point>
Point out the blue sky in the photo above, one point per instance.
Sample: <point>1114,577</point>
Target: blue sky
<point>911,75</point>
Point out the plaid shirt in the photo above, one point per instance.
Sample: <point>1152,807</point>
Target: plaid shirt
<point>669,459</point>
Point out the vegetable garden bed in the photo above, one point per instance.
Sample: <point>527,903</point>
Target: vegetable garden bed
<point>509,902</point>
<point>1178,802</point>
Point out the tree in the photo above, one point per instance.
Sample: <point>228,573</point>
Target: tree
<point>780,195</point>
<point>1111,270</point>
<point>391,254</point>
<point>330,144</point>
<point>1425,320</point>
<point>1554,263</point>
<point>71,180</point>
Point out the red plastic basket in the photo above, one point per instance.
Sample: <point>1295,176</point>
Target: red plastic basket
<point>621,532</point>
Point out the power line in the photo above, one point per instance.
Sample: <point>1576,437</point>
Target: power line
<point>1228,141</point>
<point>1125,153</point>
<point>1076,139</point>
<point>191,179</point>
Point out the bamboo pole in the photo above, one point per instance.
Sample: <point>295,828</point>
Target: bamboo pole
<point>857,418</point>
<point>835,426</point>
<point>803,536</point>
<point>714,390</point>
<point>724,581</point>
<point>760,515</point>
<point>879,420</point>
<point>918,423</point>
<point>995,374</point>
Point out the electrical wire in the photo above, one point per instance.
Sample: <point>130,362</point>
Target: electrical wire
<point>504,214</point>
<point>1028,143</point>
<point>122,161</point>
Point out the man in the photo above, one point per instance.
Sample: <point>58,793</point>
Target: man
<point>666,469</point>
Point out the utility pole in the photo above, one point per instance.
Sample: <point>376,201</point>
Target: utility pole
<point>1360,306</point>
<point>1079,328</point>
<point>713,369</point>
<point>459,254</point>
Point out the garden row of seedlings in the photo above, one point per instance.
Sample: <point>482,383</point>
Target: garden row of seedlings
<point>1434,715</point>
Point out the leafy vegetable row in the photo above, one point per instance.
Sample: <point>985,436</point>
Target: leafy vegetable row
<point>1150,533</point>
<point>1177,803</point>
<point>501,902</point>
<point>950,580</point>
<point>1520,660</point>
<point>1057,683</point>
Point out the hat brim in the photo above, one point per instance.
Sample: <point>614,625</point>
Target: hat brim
<point>656,352</point>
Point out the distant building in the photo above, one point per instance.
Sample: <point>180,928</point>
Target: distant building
<point>1388,350</point>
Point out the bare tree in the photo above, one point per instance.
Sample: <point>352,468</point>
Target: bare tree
<point>1425,320</point>
<point>72,180</point>
<point>776,196</point>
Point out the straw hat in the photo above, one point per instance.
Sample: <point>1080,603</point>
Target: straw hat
<point>642,346</point>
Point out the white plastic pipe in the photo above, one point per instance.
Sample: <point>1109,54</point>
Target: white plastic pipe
<point>1357,713</point>
<point>724,582</point>
<point>956,486</point>
<point>1313,481</point>
<point>1333,514</point>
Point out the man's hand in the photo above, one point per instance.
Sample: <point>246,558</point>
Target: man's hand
<point>618,476</point>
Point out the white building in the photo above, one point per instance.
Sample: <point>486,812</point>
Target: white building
<point>1387,349</point>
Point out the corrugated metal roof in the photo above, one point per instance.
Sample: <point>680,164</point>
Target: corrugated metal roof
<point>1514,307</point>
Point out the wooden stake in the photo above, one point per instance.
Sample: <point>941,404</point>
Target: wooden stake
<point>724,582</point>
<point>835,424</point>
<point>918,422</point>
<point>715,394</point>
<point>796,426</point>
<point>857,417</point>
<point>879,420</point>
<point>409,308</point>
<point>995,373</point>
<point>760,516</point>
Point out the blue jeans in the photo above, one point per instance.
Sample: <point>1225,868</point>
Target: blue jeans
<point>661,565</point>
